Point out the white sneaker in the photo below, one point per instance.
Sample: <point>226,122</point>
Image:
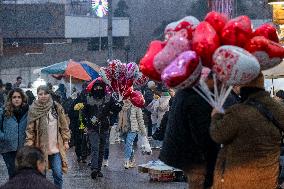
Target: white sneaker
<point>132,164</point>
<point>127,164</point>
<point>105,163</point>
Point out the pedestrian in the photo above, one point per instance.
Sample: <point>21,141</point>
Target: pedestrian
<point>61,92</point>
<point>187,144</point>
<point>98,108</point>
<point>129,125</point>
<point>48,129</point>
<point>13,119</point>
<point>30,174</point>
<point>30,95</point>
<point>250,133</point>
<point>148,94</point>
<point>18,82</point>
<point>8,88</point>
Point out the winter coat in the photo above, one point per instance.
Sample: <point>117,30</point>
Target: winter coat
<point>35,132</point>
<point>12,132</point>
<point>136,120</point>
<point>101,112</point>
<point>187,141</point>
<point>250,157</point>
<point>28,179</point>
<point>153,108</point>
<point>162,107</point>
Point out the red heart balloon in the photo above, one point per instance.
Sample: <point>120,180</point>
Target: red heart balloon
<point>183,71</point>
<point>268,31</point>
<point>137,99</point>
<point>217,21</point>
<point>147,62</point>
<point>268,53</point>
<point>237,31</point>
<point>205,41</point>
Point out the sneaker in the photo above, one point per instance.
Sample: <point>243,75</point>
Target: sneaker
<point>132,164</point>
<point>126,164</point>
<point>105,163</point>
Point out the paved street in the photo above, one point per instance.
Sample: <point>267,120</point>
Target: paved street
<point>115,176</point>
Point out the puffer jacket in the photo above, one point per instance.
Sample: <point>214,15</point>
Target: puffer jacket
<point>136,120</point>
<point>12,132</point>
<point>250,157</point>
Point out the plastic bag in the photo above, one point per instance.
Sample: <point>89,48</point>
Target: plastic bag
<point>145,145</point>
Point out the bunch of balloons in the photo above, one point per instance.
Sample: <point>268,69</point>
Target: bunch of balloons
<point>121,77</point>
<point>230,48</point>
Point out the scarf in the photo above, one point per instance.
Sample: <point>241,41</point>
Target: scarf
<point>124,118</point>
<point>40,111</point>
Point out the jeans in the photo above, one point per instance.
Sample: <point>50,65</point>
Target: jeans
<point>9,159</point>
<point>97,141</point>
<point>56,167</point>
<point>128,148</point>
<point>106,153</point>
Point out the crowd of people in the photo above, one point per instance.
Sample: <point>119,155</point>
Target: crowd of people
<point>239,148</point>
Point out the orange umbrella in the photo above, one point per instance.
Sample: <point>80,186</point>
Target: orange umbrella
<point>76,70</point>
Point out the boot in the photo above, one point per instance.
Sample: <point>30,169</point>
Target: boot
<point>127,164</point>
<point>94,174</point>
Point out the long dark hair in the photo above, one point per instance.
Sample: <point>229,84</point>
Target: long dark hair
<point>9,107</point>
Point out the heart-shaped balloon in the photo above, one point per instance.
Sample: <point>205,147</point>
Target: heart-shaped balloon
<point>170,30</point>
<point>147,62</point>
<point>205,41</point>
<point>174,47</point>
<point>188,23</point>
<point>137,99</point>
<point>268,31</point>
<point>268,53</point>
<point>217,21</point>
<point>140,80</point>
<point>234,65</point>
<point>183,71</point>
<point>237,31</point>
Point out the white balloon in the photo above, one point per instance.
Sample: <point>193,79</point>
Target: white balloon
<point>234,65</point>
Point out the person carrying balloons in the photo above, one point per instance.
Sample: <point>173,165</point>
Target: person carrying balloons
<point>129,125</point>
<point>98,108</point>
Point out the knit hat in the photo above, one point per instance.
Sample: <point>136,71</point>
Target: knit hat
<point>257,82</point>
<point>280,94</point>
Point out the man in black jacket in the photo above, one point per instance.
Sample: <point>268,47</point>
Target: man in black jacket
<point>187,143</point>
<point>30,167</point>
<point>96,117</point>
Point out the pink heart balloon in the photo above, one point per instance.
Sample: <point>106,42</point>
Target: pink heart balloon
<point>183,71</point>
<point>174,47</point>
<point>234,65</point>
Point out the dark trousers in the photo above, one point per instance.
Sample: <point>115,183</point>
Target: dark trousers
<point>97,141</point>
<point>9,159</point>
<point>81,145</point>
<point>148,122</point>
<point>106,153</point>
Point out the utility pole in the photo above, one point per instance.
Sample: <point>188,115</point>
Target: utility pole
<point>1,37</point>
<point>109,30</point>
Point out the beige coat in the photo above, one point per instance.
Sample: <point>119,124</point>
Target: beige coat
<point>136,120</point>
<point>250,157</point>
<point>34,136</point>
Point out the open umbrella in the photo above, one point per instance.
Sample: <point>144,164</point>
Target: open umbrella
<point>68,68</point>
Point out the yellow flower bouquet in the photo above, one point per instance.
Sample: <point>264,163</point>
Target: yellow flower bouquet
<point>79,106</point>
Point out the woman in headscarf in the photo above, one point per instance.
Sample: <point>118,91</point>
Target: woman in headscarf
<point>48,129</point>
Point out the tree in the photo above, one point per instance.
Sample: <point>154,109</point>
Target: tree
<point>121,10</point>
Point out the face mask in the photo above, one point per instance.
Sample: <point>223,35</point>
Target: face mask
<point>98,94</point>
